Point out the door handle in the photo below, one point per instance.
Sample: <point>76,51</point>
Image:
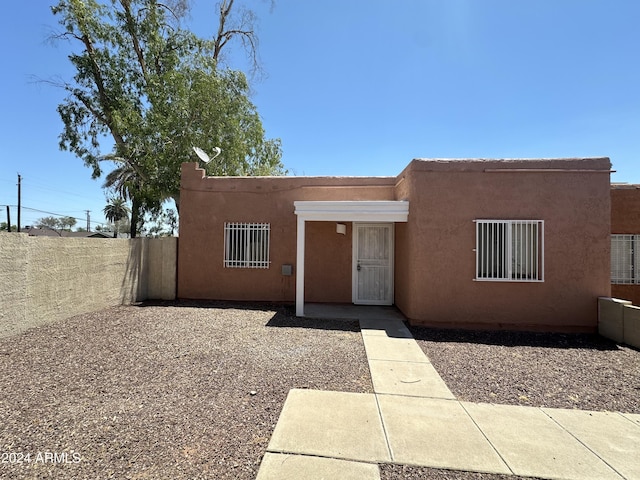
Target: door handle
<point>358,267</point>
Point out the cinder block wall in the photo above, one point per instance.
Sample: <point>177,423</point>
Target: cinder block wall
<point>162,257</point>
<point>46,279</point>
<point>619,321</point>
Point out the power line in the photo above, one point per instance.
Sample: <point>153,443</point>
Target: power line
<point>58,214</point>
<point>34,186</point>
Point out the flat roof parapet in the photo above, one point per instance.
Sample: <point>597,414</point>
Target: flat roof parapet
<point>523,164</point>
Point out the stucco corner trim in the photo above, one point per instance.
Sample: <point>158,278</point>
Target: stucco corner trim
<point>353,211</point>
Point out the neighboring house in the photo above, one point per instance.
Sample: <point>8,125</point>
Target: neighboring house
<point>477,243</point>
<point>50,232</point>
<point>625,242</point>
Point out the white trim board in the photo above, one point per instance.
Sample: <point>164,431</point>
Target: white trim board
<point>353,211</point>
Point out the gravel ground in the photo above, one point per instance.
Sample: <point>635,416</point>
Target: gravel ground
<point>163,392</point>
<point>580,371</point>
<point>194,390</point>
<point>405,472</point>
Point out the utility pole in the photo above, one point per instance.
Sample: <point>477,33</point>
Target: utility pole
<point>19,200</point>
<point>8,219</point>
<point>88,220</point>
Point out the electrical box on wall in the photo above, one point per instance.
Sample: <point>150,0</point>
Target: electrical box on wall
<point>287,270</point>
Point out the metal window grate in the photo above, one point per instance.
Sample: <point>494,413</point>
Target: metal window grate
<point>624,259</point>
<point>246,245</point>
<point>510,250</point>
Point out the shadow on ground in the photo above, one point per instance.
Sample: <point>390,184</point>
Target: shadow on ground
<point>509,338</point>
<point>218,304</point>
<point>291,321</point>
<point>284,315</point>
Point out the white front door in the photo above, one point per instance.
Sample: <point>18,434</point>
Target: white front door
<point>373,264</point>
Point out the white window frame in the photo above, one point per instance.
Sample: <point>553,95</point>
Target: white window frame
<point>246,245</point>
<point>625,259</point>
<point>509,250</point>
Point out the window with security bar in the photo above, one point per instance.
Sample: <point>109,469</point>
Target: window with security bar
<point>246,245</point>
<point>625,259</point>
<point>510,250</point>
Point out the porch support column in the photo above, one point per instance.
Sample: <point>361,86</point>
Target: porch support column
<point>300,267</point>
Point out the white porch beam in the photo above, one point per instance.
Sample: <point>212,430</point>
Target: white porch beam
<point>300,267</point>
<point>353,211</point>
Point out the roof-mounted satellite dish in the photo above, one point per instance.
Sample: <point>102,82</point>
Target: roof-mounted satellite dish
<point>203,155</point>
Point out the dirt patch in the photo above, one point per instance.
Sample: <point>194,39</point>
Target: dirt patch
<point>163,391</point>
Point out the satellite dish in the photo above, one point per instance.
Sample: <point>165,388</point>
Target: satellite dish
<point>203,155</point>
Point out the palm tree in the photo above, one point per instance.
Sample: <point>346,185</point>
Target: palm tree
<point>127,183</point>
<point>116,210</point>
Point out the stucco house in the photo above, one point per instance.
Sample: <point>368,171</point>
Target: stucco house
<point>521,244</point>
<point>625,242</point>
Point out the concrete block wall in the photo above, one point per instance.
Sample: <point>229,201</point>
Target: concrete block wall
<point>632,325</point>
<point>619,321</point>
<point>47,279</point>
<point>162,275</point>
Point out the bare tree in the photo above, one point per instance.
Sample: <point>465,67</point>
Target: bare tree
<point>239,24</point>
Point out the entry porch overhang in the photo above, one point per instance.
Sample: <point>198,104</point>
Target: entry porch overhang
<point>352,211</point>
<point>381,211</point>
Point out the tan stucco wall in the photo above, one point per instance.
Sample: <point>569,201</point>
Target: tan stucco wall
<point>206,203</point>
<point>328,278</point>
<point>434,250</point>
<point>626,292</point>
<point>571,196</point>
<point>625,209</point>
<point>46,279</point>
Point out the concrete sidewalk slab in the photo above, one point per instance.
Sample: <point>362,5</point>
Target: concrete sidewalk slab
<point>279,466</point>
<point>396,349</point>
<point>436,433</point>
<point>351,312</point>
<point>609,435</point>
<point>532,444</point>
<point>407,378</point>
<point>331,424</point>
<point>634,417</point>
<point>391,328</point>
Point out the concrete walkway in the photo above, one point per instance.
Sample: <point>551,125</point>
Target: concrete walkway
<point>413,418</point>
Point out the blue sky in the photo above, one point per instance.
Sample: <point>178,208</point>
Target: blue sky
<point>360,87</point>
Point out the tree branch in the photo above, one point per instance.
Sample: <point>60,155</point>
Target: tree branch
<point>221,39</point>
<point>102,94</point>
<point>130,25</point>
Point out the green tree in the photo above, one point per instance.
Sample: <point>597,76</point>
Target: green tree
<point>66,223</point>
<point>156,90</point>
<point>49,222</point>
<point>161,224</point>
<point>4,226</point>
<point>116,210</point>
<point>128,185</point>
